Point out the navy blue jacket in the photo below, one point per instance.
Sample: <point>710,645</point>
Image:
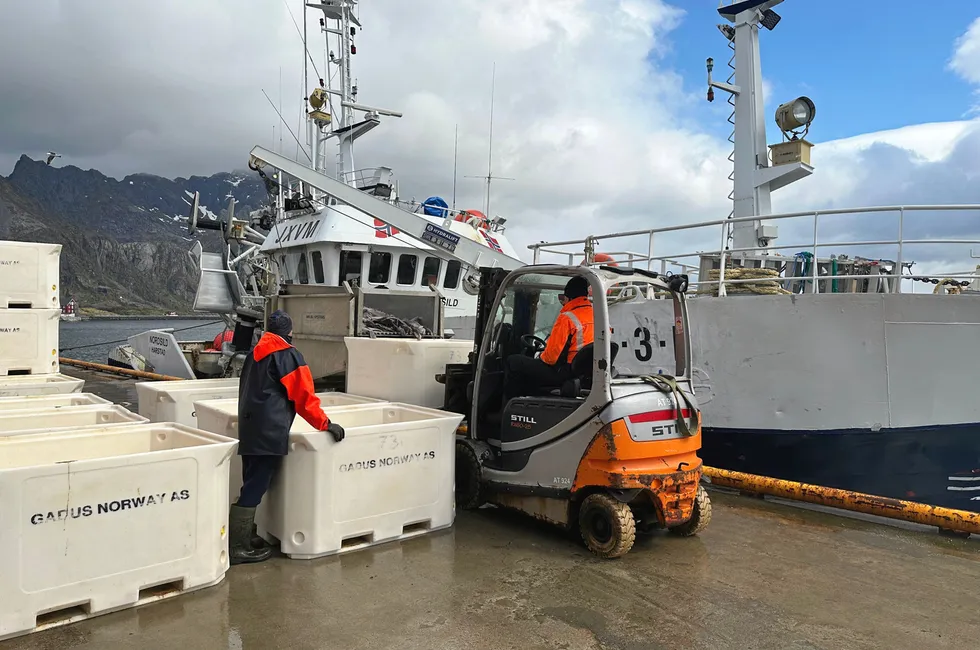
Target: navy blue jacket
<point>276,384</point>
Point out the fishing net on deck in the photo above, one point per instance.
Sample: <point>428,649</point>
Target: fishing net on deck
<point>768,284</point>
<point>378,323</point>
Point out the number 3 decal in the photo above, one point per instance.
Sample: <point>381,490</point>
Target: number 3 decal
<point>646,349</point>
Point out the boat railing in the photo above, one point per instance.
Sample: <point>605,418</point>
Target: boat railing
<point>369,177</point>
<point>811,273</point>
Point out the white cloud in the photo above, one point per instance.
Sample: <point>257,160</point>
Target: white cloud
<point>966,55</point>
<point>595,129</point>
<point>966,59</point>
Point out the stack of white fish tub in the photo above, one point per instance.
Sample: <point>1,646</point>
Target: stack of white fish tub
<point>60,418</point>
<point>173,401</point>
<point>30,315</point>
<point>103,509</point>
<point>99,508</point>
<point>98,519</point>
<point>391,478</point>
<point>50,401</point>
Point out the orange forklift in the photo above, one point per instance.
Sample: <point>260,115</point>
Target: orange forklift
<point>614,449</point>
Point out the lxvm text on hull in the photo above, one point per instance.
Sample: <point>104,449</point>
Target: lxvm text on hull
<point>819,360</point>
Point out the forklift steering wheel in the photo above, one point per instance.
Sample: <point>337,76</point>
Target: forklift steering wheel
<point>533,343</point>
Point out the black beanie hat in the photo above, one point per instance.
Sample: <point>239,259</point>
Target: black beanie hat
<point>280,323</point>
<point>577,287</point>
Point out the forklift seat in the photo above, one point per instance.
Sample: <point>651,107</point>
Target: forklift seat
<point>580,383</point>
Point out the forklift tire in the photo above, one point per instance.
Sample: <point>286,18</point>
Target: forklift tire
<point>469,489</point>
<point>607,526</point>
<point>700,516</point>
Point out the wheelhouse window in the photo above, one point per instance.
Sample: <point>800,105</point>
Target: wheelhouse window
<point>317,259</point>
<point>430,271</point>
<point>303,270</point>
<point>452,275</point>
<point>380,269</point>
<point>407,265</point>
<point>350,266</point>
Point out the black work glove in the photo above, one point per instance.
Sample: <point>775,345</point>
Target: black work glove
<point>336,431</point>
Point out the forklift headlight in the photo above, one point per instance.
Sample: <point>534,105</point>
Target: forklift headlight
<point>678,283</point>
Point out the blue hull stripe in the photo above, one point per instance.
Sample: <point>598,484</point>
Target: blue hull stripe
<point>936,465</point>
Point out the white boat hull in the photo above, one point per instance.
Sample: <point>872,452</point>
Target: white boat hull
<point>867,392</point>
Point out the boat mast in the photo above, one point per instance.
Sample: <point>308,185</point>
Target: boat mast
<point>346,160</point>
<point>493,81</point>
<point>455,154</point>
<point>490,177</point>
<point>306,84</point>
<point>754,177</point>
<point>345,129</point>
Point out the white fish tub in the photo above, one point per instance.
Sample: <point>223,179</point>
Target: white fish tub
<point>35,420</point>
<point>99,520</point>
<point>29,341</point>
<point>49,384</point>
<point>29,275</point>
<point>173,401</point>
<point>402,370</point>
<point>391,478</point>
<point>221,416</point>
<point>67,400</point>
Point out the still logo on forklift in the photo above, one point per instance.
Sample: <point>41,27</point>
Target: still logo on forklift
<point>522,421</point>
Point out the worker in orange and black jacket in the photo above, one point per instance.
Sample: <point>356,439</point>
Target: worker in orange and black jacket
<point>276,385</point>
<point>571,332</point>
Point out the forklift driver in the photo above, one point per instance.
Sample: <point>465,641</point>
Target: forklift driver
<point>571,332</point>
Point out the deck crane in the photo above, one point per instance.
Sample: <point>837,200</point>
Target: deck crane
<point>610,451</point>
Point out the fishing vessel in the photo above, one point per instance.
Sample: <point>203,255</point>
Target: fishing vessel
<point>302,239</point>
<point>822,359</point>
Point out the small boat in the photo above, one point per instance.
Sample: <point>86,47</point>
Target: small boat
<point>160,352</point>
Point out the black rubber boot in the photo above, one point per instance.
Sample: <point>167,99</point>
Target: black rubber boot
<point>240,550</point>
<point>258,542</point>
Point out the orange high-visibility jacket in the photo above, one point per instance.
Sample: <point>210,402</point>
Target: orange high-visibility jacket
<point>572,330</point>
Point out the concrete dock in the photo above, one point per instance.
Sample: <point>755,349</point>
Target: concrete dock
<point>763,575</point>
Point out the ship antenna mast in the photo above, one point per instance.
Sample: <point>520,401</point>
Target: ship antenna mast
<point>754,177</point>
<point>455,155</point>
<point>345,129</point>
<point>490,177</point>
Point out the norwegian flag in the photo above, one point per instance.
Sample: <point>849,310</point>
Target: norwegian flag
<point>491,242</point>
<point>382,230</point>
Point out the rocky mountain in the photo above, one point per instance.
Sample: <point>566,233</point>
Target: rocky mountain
<point>125,242</point>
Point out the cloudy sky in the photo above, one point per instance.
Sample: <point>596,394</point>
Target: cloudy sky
<point>600,113</point>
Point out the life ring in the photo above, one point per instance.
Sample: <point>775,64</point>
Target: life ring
<point>473,218</point>
<point>607,260</point>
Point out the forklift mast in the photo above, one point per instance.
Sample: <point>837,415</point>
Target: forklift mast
<point>459,377</point>
<point>491,278</point>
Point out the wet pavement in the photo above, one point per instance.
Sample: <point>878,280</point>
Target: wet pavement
<point>763,575</point>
